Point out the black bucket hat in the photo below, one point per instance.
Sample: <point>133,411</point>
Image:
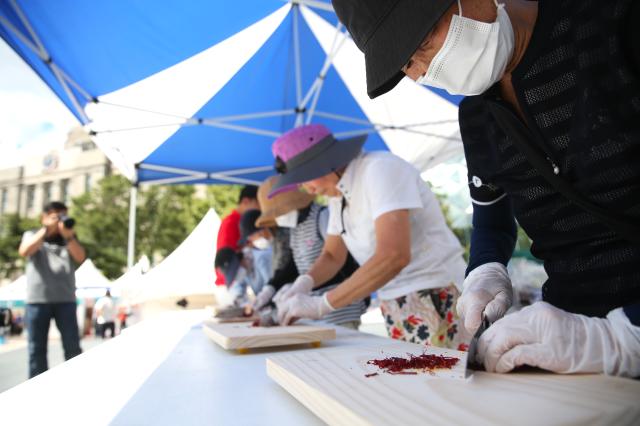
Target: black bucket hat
<point>228,262</point>
<point>248,225</point>
<point>309,152</point>
<point>388,32</point>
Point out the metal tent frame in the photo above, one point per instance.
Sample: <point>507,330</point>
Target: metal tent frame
<point>304,111</point>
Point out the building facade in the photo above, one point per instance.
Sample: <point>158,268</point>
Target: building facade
<point>53,176</point>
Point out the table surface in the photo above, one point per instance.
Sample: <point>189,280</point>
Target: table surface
<point>165,371</point>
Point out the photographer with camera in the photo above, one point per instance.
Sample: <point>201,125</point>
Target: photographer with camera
<point>51,252</point>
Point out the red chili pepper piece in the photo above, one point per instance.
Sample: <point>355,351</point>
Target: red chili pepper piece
<point>425,362</point>
<point>370,374</point>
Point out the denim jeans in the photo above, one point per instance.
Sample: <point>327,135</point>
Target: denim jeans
<point>38,318</point>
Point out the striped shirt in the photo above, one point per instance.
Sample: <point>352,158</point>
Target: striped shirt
<point>307,240</point>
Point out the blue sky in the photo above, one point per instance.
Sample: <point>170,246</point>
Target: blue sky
<point>32,120</point>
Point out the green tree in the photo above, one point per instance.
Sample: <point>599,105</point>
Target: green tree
<point>12,227</point>
<point>223,198</point>
<point>102,223</point>
<point>165,216</point>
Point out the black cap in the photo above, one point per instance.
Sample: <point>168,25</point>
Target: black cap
<point>248,225</point>
<point>228,262</point>
<point>388,32</point>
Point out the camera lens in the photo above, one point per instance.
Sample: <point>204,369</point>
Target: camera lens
<point>67,221</point>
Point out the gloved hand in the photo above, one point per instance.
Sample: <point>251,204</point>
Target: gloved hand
<point>263,297</point>
<point>544,336</point>
<point>302,285</point>
<point>303,306</point>
<point>486,289</point>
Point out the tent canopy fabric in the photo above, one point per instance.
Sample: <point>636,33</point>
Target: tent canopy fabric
<point>15,290</point>
<point>203,105</point>
<point>88,276</point>
<point>188,270</point>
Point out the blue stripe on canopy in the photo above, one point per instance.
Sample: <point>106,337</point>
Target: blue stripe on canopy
<point>111,44</point>
<point>105,46</point>
<point>266,83</point>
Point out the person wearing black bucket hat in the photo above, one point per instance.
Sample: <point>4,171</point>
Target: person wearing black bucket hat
<point>249,267</point>
<point>550,133</point>
<point>258,238</point>
<point>385,216</point>
<point>389,32</point>
<point>229,231</point>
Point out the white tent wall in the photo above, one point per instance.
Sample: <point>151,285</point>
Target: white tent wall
<point>15,291</point>
<point>88,277</point>
<point>188,272</point>
<point>127,282</point>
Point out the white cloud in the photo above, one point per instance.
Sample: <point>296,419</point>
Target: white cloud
<point>32,119</point>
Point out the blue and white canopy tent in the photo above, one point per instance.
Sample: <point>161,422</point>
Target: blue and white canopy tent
<point>197,93</point>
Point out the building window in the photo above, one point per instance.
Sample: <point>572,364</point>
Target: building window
<point>3,203</point>
<point>46,193</point>
<point>31,196</point>
<point>64,191</point>
<point>87,182</point>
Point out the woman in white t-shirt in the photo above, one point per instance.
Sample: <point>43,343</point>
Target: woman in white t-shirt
<point>381,212</point>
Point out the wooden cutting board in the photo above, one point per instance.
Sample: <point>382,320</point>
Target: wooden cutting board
<point>332,384</point>
<point>244,336</point>
<point>215,320</point>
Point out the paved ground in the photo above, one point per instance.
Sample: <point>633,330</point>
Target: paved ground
<point>14,358</point>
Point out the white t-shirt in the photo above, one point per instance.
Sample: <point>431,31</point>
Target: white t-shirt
<point>376,183</point>
<point>108,310</point>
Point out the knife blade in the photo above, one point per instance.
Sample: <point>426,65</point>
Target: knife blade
<point>473,345</point>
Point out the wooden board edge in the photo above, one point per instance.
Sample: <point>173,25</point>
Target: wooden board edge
<point>304,393</point>
<point>233,320</point>
<point>216,337</point>
<point>318,336</point>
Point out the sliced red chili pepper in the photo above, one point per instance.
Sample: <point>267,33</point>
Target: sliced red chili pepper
<point>424,362</point>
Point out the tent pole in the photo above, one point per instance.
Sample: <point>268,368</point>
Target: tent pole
<point>296,56</point>
<point>133,201</point>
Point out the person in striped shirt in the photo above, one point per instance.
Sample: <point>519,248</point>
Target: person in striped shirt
<point>307,222</point>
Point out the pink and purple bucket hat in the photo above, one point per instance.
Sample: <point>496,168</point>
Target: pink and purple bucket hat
<point>309,152</point>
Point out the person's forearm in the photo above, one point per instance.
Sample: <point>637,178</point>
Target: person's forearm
<point>31,246</point>
<point>325,267</point>
<point>76,250</point>
<point>494,234</point>
<point>371,276</point>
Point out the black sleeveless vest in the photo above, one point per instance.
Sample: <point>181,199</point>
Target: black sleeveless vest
<point>579,88</point>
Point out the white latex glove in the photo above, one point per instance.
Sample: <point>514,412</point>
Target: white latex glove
<point>544,336</point>
<point>486,289</point>
<point>263,297</point>
<point>303,306</point>
<point>302,285</point>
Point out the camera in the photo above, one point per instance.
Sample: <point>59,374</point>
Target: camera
<point>67,221</point>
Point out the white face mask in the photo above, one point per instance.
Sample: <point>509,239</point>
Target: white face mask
<point>261,243</point>
<point>474,55</point>
<point>288,220</point>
